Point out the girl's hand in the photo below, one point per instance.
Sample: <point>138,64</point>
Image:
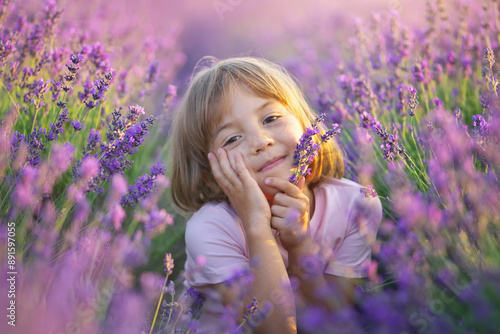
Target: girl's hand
<point>242,190</point>
<point>290,212</point>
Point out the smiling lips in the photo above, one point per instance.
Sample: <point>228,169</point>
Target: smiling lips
<point>271,164</point>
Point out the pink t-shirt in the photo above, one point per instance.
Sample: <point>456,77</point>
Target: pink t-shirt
<point>344,224</point>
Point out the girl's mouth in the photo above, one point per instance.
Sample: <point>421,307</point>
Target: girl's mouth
<point>271,164</point>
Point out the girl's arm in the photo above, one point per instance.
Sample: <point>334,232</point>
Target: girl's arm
<point>290,214</point>
<point>270,275</point>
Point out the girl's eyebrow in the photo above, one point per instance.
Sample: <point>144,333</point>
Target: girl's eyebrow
<point>228,124</point>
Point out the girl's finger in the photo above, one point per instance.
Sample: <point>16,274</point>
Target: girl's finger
<point>217,172</point>
<point>278,223</point>
<point>285,186</point>
<point>226,168</point>
<point>301,203</point>
<point>279,211</point>
<point>241,168</point>
<point>220,176</point>
<point>283,225</point>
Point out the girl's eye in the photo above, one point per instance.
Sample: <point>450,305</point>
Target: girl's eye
<point>230,140</point>
<point>270,119</point>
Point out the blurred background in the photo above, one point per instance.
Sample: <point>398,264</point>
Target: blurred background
<point>272,29</point>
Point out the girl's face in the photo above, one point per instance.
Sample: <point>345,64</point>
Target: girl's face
<point>264,132</point>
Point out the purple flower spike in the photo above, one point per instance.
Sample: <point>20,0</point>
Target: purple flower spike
<point>77,125</point>
<point>420,72</point>
<point>369,192</point>
<point>169,263</point>
<point>307,149</point>
<point>91,104</point>
<point>76,59</point>
<point>143,187</point>
<point>58,127</point>
<point>196,301</point>
<point>438,103</point>
<point>157,221</point>
<point>412,99</point>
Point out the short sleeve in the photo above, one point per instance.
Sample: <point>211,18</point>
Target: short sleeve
<point>218,237</point>
<point>353,256</point>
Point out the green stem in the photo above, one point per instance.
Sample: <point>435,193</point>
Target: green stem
<point>169,313</point>
<point>34,119</point>
<point>132,227</point>
<point>424,94</point>
<point>158,306</point>
<point>177,320</point>
<point>10,96</point>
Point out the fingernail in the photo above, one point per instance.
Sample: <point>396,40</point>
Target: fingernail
<point>267,181</point>
<point>219,151</point>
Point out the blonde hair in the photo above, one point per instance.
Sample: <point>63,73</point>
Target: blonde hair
<point>207,101</point>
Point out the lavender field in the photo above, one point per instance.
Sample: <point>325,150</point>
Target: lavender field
<point>90,240</point>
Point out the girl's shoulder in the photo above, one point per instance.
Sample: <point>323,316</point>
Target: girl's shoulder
<point>345,193</point>
<point>341,187</point>
<point>211,208</point>
<point>212,215</point>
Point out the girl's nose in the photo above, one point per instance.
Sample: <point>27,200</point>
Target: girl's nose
<point>260,142</point>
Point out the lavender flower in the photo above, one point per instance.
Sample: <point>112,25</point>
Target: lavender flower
<point>412,99</point>
<point>55,88</point>
<point>156,221</point>
<point>196,301</point>
<point>7,48</point>
<point>35,146</point>
<point>135,112</point>
<point>481,130</point>
<point>15,144</point>
<point>36,93</point>
<point>91,104</point>
<point>100,87</point>
<point>169,263</point>
<point>87,91</point>
<point>170,288</point>
<point>93,140</point>
<point>255,319</point>
<point>438,103</point>
<point>489,56</point>
<point>58,127</point>
<point>369,192</point>
<point>421,72</point>
<point>143,186</point>
<point>99,58</point>
<point>307,149</point>
<point>170,94</point>
<point>252,307</point>
<point>113,157</point>
<point>77,125</point>
<point>390,144</point>
<point>402,98</point>
<point>26,194</point>
<point>71,71</point>
<point>116,214</point>
<point>152,73</point>
<point>34,41</point>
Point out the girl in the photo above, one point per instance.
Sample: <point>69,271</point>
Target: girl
<point>232,147</point>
